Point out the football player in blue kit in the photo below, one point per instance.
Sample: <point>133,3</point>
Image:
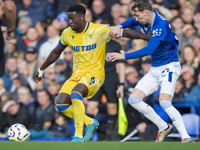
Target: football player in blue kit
<point>165,68</point>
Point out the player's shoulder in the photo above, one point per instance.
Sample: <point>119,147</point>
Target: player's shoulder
<point>99,26</point>
<point>160,22</point>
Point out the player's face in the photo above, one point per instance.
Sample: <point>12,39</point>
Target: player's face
<point>141,16</point>
<point>75,20</point>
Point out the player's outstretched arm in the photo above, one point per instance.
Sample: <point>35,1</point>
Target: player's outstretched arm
<point>136,35</point>
<point>53,56</point>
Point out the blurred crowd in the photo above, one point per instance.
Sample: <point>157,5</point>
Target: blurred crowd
<point>39,25</point>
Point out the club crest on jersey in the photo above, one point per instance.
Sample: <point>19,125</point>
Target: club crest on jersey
<point>72,36</point>
<point>157,32</point>
<point>90,35</point>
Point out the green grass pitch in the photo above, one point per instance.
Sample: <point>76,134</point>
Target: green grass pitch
<point>35,145</point>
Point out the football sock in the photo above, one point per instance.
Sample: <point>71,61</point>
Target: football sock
<point>175,117</point>
<point>147,111</point>
<point>66,109</point>
<point>111,121</point>
<point>78,110</point>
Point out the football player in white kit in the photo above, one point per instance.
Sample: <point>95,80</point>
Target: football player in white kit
<point>165,68</point>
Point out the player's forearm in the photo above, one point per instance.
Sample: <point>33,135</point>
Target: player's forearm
<point>134,34</point>
<point>148,50</point>
<point>53,56</point>
<point>10,13</point>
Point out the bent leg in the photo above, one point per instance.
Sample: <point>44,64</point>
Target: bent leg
<point>78,108</point>
<point>165,101</point>
<point>136,101</point>
<point>64,105</point>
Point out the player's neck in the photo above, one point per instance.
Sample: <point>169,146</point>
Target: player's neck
<point>82,27</point>
<point>151,18</point>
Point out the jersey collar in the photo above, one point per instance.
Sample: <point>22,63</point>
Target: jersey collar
<point>154,18</point>
<point>86,27</point>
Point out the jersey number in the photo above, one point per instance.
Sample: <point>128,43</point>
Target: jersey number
<point>92,80</point>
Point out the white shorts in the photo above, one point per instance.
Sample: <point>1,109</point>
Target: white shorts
<point>163,77</point>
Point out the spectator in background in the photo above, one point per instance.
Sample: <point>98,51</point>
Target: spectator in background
<point>41,27</point>
<point>194,95</point>
<point>180,91</point>
<point>62,127</point>
<point>88,15</point>
<point>24,23</point>
<point>25,97</point>
<point>116,12</point>
<point>196,44</point>
<point>2,87</point>
<point>31,59</point>
<point>145,66</point>
<point>177,24</point>
<point>62,21</point>
<point>44,112</point>
<point>187,15</point>
<point>190,58</point>
<point>24,71</point>
<point>68,60</point>
<point>18,81</point>
<point>9,9</point>
<point>31,40</point>
<point>50,75</point>
<point>53,88</point>
<point>11,68</point>
<point>23,7</point>
<point>131,79</point>
<point>14,112</point>
<point>187,73</point>
<point>53,38</point>
<point>186,36</point>
<point>197,21</point>
<point>100,11</point>
<point>61,71</point>
<point>42,10</point>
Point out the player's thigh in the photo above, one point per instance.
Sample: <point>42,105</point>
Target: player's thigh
<point>168,80</point>
<point>147,85</point>
<point>109,89</point>
<point>68,86</point>
<point>93,81</point>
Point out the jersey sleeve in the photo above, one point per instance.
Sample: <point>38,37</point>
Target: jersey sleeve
<point>130,23</point>
<point>63,40</point>
<point>159,32</point>
<point>104,31</point>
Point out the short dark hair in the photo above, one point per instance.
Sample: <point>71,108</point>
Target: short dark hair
<point>77,8</point>
<point>142,5</point>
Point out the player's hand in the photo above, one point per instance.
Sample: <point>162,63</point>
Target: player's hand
<point>120,91</point>
<point>115,56</point>
<point>11,33</point>
<point>115,31</point>
<point>149,35</point>
<point>39,76</point>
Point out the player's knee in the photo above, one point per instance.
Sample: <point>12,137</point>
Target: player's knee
<point>165,104</point>
<point>134,99</point>
<point>63,98</point>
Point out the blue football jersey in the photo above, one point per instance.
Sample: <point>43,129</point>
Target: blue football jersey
<point>166,52</point>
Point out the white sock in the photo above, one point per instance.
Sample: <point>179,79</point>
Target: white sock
<point>149,113</point>
<point>177,121</point>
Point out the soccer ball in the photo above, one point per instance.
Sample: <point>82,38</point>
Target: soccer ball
<point>18,132</point>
